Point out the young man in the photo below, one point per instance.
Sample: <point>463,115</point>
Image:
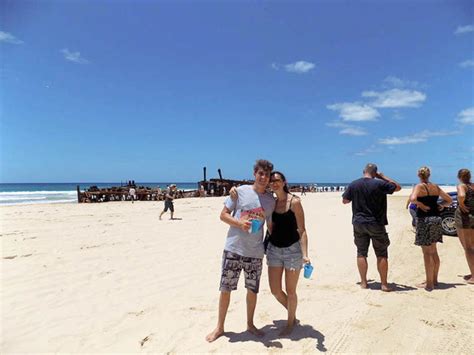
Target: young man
<point>169,197</point>
<point>369,218</point>
<point>244,244</point>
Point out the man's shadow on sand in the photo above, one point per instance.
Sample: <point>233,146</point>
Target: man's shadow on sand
<point>399,287</point>
<point>272,333</point>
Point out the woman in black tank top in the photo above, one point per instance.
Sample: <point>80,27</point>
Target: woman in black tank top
<point>428,226</point>
<point>288,247</point>
<point>464,219</point>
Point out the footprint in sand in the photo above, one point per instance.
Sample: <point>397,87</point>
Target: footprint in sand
<point>10,257</point>
<point>137,313</point>
<point>145,339</point>
<point>439,324</point>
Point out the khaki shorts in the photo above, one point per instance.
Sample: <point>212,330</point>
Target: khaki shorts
<point>364,233</point>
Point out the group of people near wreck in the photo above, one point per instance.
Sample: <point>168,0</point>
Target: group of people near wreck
<point>286,242</point>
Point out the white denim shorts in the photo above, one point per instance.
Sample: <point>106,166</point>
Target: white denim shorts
<point>289,258</point>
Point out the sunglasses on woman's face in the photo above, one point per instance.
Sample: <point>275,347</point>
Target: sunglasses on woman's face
<point>275,180</point>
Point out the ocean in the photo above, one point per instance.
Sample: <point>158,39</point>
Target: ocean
<point>17,194</point>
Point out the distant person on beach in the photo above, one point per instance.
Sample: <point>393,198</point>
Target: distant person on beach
<point>369,218</point>
<point>244,244</point>
<point>169,197</point>
<point>411,207</point>
<point>132,193</point>
<point>428,224</point>
<point>464,219</point>
<point>287,249</point>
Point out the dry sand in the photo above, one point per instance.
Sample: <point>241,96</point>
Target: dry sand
<point>113,278</point>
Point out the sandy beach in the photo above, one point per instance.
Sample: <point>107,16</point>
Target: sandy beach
<point>113,278</point>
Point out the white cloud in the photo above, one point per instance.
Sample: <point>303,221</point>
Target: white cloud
<point>464,29</point>
<point>355,111</point>
<point>466,116</point>
<point>299,67</point>
<point>393,81</point>
<point>415,138</point>
<point>353,131</point>
<point>9,38</point>
<point>467,63</point>
<point>347,129</point>
<point>371,149</point>
<point>73,56</point>
<point>275,66</point>
<point>395,98</point>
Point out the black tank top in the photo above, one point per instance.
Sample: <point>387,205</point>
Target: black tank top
<point>431,201</point>
<point>284,228</point>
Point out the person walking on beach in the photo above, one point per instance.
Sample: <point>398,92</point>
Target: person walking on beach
<point>132,193</point>
<point>464,219</point>
<point>169,197</point>
<point>428,224</point>
<point>287,249</point>
<point>369,218</point>
<point>244,244</point>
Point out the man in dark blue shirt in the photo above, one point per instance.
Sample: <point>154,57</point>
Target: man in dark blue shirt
<point>369,218</point>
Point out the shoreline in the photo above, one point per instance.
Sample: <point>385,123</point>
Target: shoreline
<point>404,192</point>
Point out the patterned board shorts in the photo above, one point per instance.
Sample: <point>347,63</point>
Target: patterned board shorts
<point>428,231</point>
<point>232,264</point>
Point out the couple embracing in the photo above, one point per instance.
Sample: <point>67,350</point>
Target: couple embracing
<point>246,210</point>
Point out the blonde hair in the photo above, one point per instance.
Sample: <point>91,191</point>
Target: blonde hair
<point>424,173</point>
<point>465,176</point>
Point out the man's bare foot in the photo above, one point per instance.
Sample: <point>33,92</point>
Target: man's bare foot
<point>257,332</point>
<point>216,333</point>
<point>363,284</point>
<point>386,288</point>
<point>470,281</point>
<point>467,277</point>
<point>425,286</point>
<point>287,330</point>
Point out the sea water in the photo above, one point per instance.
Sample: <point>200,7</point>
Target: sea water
<point>17,194</point>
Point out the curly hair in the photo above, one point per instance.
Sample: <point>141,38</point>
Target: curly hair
<point>263,164</point>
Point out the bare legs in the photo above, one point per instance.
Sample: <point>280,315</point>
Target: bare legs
<point>251,304</point>
<point>224,301</point>
<point>363,267</point>
<point>432,263</point>
<point>382,267</point>
<point>466,237</point>
<point>289,300</point>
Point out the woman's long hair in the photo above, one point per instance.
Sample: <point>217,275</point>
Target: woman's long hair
<point>465,176</point>
<point>283,178</point>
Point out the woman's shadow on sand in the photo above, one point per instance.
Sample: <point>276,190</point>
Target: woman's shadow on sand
<point>272,334</point>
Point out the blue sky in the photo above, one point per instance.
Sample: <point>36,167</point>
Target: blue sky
<point>155,90</point>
